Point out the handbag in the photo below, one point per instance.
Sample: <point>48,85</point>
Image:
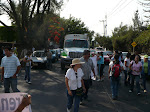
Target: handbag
<point>79,91</point>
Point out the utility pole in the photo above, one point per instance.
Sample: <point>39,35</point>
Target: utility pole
<point>105,25</point>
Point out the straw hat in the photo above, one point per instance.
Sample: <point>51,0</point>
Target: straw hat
<point>76,61</point>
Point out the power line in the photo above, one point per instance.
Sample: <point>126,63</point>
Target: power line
<point>117,7</point>
<point>123,7</point>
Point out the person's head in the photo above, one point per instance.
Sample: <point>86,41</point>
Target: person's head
<point>115,52</point>
<point>145,58</point>
<point>86,54</point>
<point>29,53</point>
<point>116,58</point>
<point>76,63</point>
<point>101,53</point>
<point>128,55</point>
<point>136,52</point>
<point>136,58</point>
<point>7,50</point>
<point>93,54</point>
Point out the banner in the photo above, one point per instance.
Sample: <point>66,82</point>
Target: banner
<point>9,102</point>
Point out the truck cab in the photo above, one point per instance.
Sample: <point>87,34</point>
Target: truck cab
<point>74,45</point>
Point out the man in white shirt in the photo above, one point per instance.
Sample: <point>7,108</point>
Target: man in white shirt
<point>10,68</point>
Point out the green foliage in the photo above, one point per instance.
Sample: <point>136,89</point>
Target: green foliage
<point>8,34</point>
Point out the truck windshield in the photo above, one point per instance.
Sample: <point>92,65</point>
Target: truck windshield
<point>76,43</point>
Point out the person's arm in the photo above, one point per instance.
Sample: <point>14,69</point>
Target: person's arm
<point>93,72</point>
<point>84,90</point>
<point>17,71</point>
<point>67,85</point>
<point>98,58</point>
<point>25,102</point>
<point>126,63</point>
<point>2,76</point>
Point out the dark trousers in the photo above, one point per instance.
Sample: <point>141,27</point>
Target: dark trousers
<point>144,80</point>
<point>27,75</point>
<point>49,64</point>
<point>10,82</point>
<point>137,78</point>
<point>87,86</point>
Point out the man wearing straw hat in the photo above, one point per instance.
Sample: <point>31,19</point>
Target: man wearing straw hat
<point>87,67</point>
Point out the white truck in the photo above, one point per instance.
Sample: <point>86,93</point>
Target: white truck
<point>74,45</point>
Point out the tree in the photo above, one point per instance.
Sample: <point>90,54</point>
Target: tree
<point>24,14</point>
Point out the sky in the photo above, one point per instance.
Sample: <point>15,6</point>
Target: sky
<point>91,12</point>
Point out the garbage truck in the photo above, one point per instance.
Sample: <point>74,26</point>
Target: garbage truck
<point>74,45</point>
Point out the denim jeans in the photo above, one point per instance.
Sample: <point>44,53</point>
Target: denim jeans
<point>74,98</point>
<point>126,81</point>
<point>137,78</point>
<point>27,70</point>
<point>10,82</point>
<point>144,80</point>
<point>49,64</point>
<point>114,86</point>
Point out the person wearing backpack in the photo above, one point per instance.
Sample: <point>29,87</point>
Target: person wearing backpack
<point>136,67</point>
<point>115,68</point>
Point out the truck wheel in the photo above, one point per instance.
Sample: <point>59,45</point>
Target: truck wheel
<point>62,66</point>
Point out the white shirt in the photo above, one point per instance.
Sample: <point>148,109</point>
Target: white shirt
<point>10,65</point>
<point>94,59</point>
<point>128,63</point>
<point>111,64</point>
<point>28,58</point>
<point>73,81</point>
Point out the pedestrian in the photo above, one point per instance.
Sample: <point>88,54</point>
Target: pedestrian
<point>116,53</point>
<point>145,71</point>
<point>49,59</point>
<point>10,68</point>
<point>28,60</point>
<point>126,69</point>
<point>74,84</point>
<point>1,54</point>
<point>115,68</point>
<point>100,64</point>
<point>94,59</point>
<point>135,54</point>
<point>87,67</point>
<point>136,67</point>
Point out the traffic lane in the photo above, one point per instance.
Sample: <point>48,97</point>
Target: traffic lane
<point>47,89</point>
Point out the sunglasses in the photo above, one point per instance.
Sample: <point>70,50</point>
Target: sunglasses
<point>76,75</point>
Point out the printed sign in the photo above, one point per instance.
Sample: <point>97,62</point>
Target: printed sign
<point>9,102</point>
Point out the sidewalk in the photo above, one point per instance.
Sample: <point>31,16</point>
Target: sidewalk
<point>100,99</point>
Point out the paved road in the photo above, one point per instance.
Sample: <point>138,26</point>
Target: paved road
<point>49,94</point>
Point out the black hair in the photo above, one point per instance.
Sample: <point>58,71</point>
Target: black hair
<point>7,47</point>
<point>86,52</point>
<point>101,54</point>
<point>72,66</point>
<point>128,55</point>
<point>116,57</point>
<point>116,51</point>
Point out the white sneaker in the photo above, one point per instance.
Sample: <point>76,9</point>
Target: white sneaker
<point>130,91</point>
<point>139,94</point>
<point>98,80</point>
<point>68,110</point>
<point>29,82</point>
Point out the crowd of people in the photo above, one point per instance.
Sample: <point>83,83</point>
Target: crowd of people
<point>79,77</point>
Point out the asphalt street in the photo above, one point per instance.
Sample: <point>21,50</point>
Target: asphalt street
<point>49,93</point>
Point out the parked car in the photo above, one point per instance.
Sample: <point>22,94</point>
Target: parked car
<point>54,55</point>
<point>39,58</point>
<point>124,54</point>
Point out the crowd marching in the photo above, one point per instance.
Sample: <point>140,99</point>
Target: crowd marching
<point>79,76</point>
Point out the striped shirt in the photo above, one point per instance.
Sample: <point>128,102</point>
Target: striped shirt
<point>10,65</point>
